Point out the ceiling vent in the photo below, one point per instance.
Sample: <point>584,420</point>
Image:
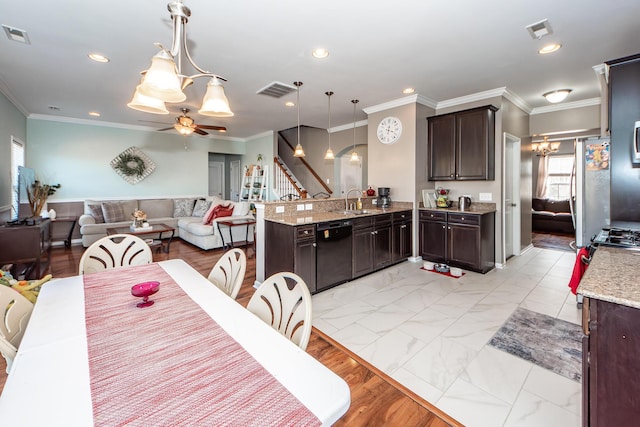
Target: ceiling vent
<point>16,34</point>
<point>276,90</point>
<point>539,29</point>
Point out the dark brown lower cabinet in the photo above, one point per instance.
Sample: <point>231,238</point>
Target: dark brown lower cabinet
<point>465,240</point>
<point>291,248</point>
<point>372,237</point>
<point>610,364</point>
<point>401,247</point>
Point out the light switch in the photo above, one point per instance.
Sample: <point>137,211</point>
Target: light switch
<point>300,207</point>
<point>279,209</point>
<point>486,197</point>
<point>308,206</point>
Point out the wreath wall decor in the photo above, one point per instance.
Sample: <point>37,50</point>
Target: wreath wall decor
<point>133,165</point>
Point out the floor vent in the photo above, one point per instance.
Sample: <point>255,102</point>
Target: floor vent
<point>276,90</point>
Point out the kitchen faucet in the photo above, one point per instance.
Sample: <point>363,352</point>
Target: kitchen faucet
<point>346,197</point>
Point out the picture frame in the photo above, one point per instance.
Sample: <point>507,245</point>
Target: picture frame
<point>428,199</point>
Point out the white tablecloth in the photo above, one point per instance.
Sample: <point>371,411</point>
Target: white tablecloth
<point>49,381</point>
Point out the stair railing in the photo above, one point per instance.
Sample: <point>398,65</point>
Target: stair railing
<point>308,166</point>
<point>285,186</point>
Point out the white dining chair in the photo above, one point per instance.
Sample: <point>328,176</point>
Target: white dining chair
<point>15,311</point>
<point>284,302</point>
<point>228,273</point>
<point>115,251</point>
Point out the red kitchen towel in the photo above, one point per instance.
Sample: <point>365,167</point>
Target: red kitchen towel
<point>170,364</point>
<point>578,269</point>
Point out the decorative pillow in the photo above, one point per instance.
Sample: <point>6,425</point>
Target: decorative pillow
<point>538,204</point>
<point>96,213</point>
<point>113,212</point>
<point>241,208</point>
<point>217,212</point>
<point>201,207</point>
<point>183,207</point>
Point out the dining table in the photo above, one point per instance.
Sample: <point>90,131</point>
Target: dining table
<point>195,357</point>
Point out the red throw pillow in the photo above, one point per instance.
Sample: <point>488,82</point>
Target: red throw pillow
<point>219,211</point>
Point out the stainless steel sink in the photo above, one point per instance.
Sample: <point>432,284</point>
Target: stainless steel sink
<point>352,211</point>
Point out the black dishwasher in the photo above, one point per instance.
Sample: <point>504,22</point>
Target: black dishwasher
<point>333,253</point>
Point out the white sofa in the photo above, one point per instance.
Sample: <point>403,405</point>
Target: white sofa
<point>188,228</point>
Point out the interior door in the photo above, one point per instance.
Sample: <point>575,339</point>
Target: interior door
<point>511,196</point>
<point>235,176</point>
<point>216,179</point>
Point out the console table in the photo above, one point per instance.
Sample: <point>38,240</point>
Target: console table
<point>28,246</point>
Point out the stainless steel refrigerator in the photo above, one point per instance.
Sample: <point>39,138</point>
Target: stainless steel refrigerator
<point>592,188</point>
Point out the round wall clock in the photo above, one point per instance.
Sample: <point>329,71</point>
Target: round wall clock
<point>389,130</point>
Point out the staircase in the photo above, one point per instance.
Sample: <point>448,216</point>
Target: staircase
<point>286,185</point>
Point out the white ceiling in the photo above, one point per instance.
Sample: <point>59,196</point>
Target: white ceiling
<point>443,49</point>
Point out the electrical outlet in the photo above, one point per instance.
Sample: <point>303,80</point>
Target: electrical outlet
<point>328,181</point>
<point>300,207</point>
<point>308,206</point>
<point>279,209</point>
<point>485,197</point>
<point>374,202</point>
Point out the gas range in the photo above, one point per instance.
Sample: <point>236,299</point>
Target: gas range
<point>618,238</point>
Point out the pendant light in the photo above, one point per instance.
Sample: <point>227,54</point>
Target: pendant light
<point>299,152</point>
<point>329,154</point>
<point>354,155</point>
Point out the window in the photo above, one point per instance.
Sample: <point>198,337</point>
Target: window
<point>559,172</point>
<point>17,159</point>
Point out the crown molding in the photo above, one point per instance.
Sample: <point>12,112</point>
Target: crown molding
<point>88,122</point>
<point>566,106</point>
<point>4,88</point>
<point>412,99</point>
<point>517,101</point>
<point>258,135</point>
<point>349,126</point>
<point>479,96</point>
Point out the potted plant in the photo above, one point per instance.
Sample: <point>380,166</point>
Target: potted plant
<point>38,194</point>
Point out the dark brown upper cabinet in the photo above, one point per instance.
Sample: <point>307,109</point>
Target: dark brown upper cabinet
<point>461,145</point>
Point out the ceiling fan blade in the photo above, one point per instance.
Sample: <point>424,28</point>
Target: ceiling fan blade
<point>165,129</point>
<point>211,127</point>
<point>200,131</point>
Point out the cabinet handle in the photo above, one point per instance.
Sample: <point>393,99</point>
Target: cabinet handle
<point>306,231</point>
<point>451,176</point>
<point>443,227</point>
<point>431,215</point>
<point>448,228</point>
<point>314,245</point>
<point>462,219</point>
<point>403,226</point>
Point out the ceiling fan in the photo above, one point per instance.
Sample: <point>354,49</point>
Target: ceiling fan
<point>186,126</point>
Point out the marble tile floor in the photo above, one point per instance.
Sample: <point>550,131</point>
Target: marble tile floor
<point>430,333</point>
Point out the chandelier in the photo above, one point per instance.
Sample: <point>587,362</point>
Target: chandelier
<point>545,147</point>
<point>164,80</point>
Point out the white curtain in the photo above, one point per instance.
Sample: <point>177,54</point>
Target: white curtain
<point>541,187</point>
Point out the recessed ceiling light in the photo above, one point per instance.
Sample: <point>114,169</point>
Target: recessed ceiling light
<point>408,90</point>
<point>98,58</point>
<point>320,53</point>
<point>94,113</point>
<point>550,48</point>
<point>290,104</point>
<point>556,96</point>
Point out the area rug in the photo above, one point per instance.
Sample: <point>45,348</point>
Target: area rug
<point>548,342</point>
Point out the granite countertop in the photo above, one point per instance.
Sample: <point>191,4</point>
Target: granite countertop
<point>475,208</point>
<point>306,217</point>
<point>612,276</point>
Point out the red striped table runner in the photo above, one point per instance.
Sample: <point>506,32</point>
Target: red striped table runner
<point>171,364</point>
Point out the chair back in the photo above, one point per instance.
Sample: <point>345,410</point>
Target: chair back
<point>284,302</point>
<point>228,273</point>
<point>115,251</point>
<point>15,311</point>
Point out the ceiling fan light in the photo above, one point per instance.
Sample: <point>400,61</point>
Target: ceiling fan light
<point>556,96</point>
<point>183,130</point>
<point>329,155</point>
<point>161,79</point>
<point>147,104</point>
<point>215,102</point>
<point>299,152</point>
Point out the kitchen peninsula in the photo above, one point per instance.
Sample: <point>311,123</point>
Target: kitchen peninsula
<point>326,244</point>
<point>611,341</point>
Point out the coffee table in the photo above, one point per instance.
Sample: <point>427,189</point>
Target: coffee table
<point>161,243</point>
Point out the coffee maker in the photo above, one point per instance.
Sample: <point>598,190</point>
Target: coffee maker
<point>384,201</point>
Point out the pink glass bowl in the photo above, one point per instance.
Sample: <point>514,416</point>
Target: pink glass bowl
<point>145,290</point>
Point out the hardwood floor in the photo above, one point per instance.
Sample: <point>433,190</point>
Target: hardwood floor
<point>553,241</point>
<point>376,399</point>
